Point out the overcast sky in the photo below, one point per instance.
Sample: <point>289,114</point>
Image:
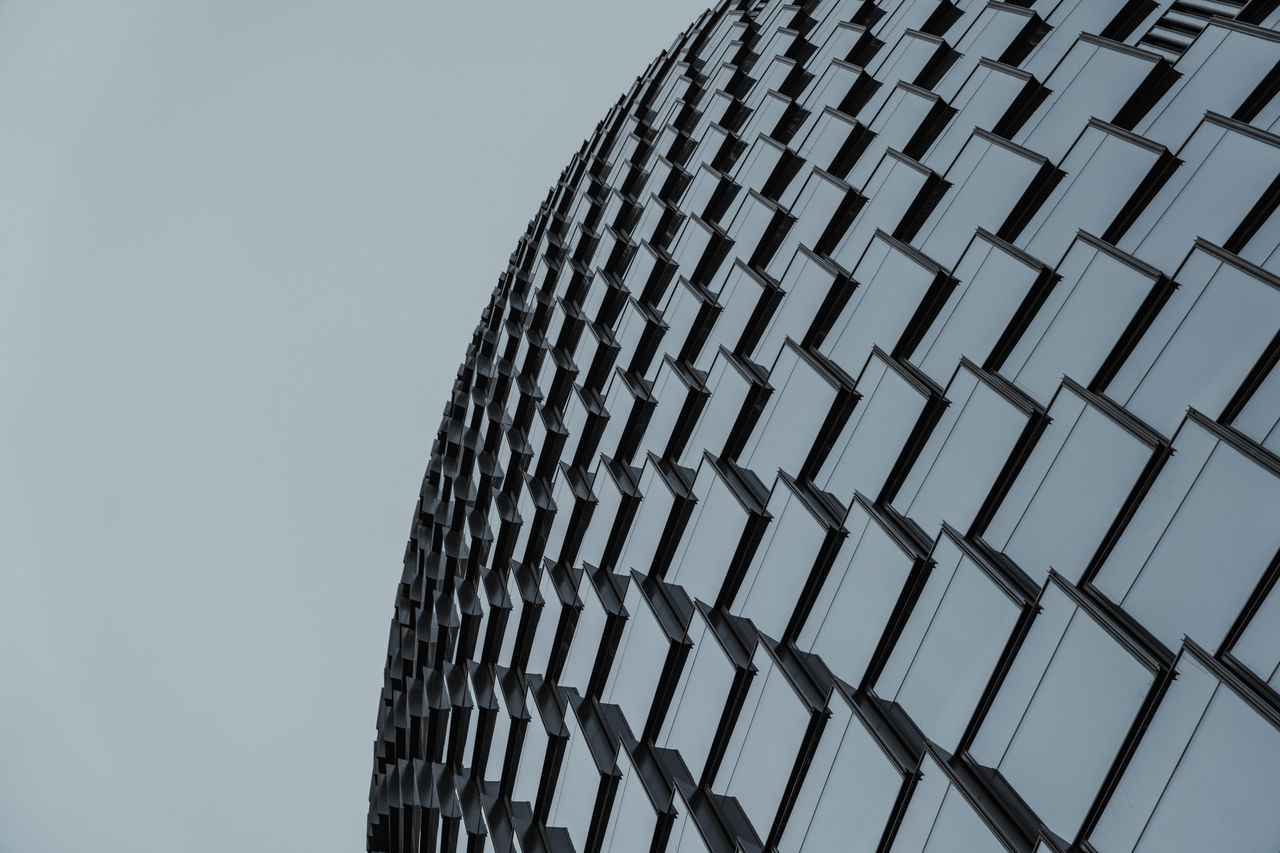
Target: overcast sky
<point>242,248</point>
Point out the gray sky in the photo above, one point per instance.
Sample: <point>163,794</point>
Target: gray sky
<point>242,247</point>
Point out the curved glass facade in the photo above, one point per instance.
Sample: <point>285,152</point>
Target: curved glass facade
<point>871,446</point>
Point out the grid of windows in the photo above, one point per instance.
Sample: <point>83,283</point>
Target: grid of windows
<point>870,446</point>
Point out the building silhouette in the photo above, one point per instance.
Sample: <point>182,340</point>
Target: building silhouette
<point>870,446</point>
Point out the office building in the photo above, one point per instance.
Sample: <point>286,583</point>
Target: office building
<point>870,446</point>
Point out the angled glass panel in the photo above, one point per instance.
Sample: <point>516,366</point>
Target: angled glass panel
<point>1202,344</point>
<point>633,820</point>
<point>891,280</point>
<point>730,388</point>
<point>891,191</point>
<point>1204,775</point>
<point>794,415</point>
<point>1094,79</point>
<point>950,645</point>
<point>1071,488</point>
<point>712,536</point>
<point>1259,646</point>
<point>1198,543</point>
<point>1104,169</point>
<point>1081,320</point>
<point>585,644</point>
<point>1218,71</point>
<point>939,819</point>
<point>988,179</point>
<point>983,100</point>
<point>818,199</point>
<point>993,281</point>
<point>964,454</point>
<point>849,790</point>
<point>577,785</point>
<point>765,743</point>
<point>700,697</point>
<point>906,109</point>
<point>1226,170</point>
<point>993,30</point>
<point>806,284</point>
<point>859,597</point>
<point>642,654</point>
<point>879,427</point>
<point>1068,18</point>
<point>1062,712</point>
<point>787,558</point>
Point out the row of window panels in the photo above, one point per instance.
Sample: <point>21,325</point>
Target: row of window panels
<point>1221,300</point>
<point>1076,695</point>
<point>1172,562</point>
<point>641,321</point>
<point>994,416</point>
<point>1182,103</point>
<point>888,424</point>
<point>986,27</point>
<point>1165,110</point>
<point>1093,468</point>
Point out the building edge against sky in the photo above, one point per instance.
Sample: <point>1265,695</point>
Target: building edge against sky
<point>871,445</point>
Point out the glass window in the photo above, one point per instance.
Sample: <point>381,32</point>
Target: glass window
<point>585,645</point>
<point>950,644</point>
<point>641,660</point>
<point>982,102</point>
<point>722,533</point>
<point>1072,486</point>
<point>1106,169</point>
<point>809,283</point>
<point>734,385</point>
<point>1204,775</point>
<point>680,396</point>
<point>1068,19</point>
<point>1084,315</point>
<point>996,30</point>
<point>1259,646</point>
<point>806,398</point>
<point>688,311</point>
<point>742,291</point>
<point>907,109</point>
<point>614,509</point>
<point>849,789</point>
<point>816,210</point>
<point>872,441</point>
<point>755,168</point>
<point>795,554</point>
<point>859,596</point>
<point>994,284</point>
<point>989,178</point>
<point>701,700</point>
<point>533,752</point>
<point>891,281</point>
<point>1062,712</point>
<point>1217,71</point>
<point>1226,169</point>
<point>659,521</point>
<point>940,819</point>
<point>965,453</point>
<point>1170,568</point>
<point>765,743</point>
<point>1095,78</point>
<point>633,821</point>
<point>578,785</point>
<point>911,54</point>
<point>1202,344</point>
